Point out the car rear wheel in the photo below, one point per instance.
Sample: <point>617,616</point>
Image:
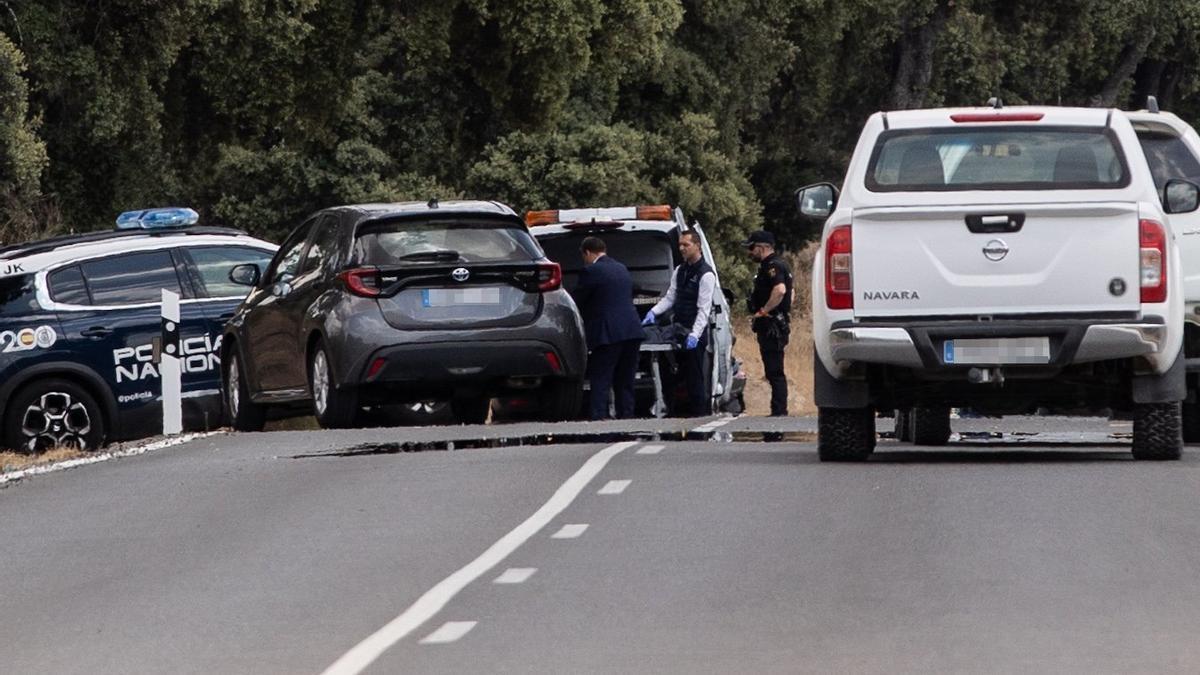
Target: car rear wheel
<point>53,413</point>
<point>471,409</point>
<point>562,399</point>
<point>242,413</point>
<point>1157,431</point>
<point>845,434</point>
<point>903,427</point>
<point>334,407</point>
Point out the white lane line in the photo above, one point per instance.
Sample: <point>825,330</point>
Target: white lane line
<point>129,451</point>
<point>570,531</point>
<point>515,575</point>
<point>432,602</point>
<point>450,631</point>
<point>614,487</point>
<point>711,426</point>
<point>650,450</point>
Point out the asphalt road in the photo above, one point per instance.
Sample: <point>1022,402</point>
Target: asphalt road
<point>1027,544</point>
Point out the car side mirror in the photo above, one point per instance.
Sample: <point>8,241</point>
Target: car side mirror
<point>246,274</point>
<point>817,201</point>
<point>1181,196</point>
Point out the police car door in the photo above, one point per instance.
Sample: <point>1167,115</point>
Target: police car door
<point>110,312</point>
<point>218,297</point>
<point>720,332</point>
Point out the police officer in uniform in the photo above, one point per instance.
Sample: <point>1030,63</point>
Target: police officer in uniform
<point>691,294</point>
<point>770,303</point>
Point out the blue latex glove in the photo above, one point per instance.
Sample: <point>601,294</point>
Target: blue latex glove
<point>649,319</point>
<point>692,342</point>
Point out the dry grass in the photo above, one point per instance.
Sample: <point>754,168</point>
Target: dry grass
<point>797,360</point>
<point>12,461</point>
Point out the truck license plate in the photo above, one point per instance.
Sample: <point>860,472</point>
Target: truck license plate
<point>996,351</point>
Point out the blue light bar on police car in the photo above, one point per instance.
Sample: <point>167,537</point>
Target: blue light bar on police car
<point>154,219</point>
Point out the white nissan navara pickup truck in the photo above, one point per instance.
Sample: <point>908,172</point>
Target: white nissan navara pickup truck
<point>1001,259</point>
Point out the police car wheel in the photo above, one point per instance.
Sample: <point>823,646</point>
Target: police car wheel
<point>243,414</point>
<point>53,413</point>
<point>333,406</point>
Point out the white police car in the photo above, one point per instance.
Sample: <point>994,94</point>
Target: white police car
<point>79,318</point>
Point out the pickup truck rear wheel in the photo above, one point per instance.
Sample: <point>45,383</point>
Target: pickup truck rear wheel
<point>1157,431</point>
<point>930,426</point>
<point>1191,421</point>
<point>845,434</point>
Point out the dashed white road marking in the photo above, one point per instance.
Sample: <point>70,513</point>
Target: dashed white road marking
<point>614,487</point>
<point>436,598</point>
<point>650,450</point>
<point>450,631</point>
<point>570,531</point>
<point>515,575</point>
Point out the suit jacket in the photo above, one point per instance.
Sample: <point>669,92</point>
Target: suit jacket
<point>605,299</point>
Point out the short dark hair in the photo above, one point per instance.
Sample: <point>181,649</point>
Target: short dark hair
<point>691,234</point>
<point>593,245</point>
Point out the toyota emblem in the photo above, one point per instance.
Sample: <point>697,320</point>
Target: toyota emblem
<point>995,250</point>
<point>460,274</point>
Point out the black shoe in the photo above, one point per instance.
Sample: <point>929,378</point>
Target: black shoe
<point>772,436</point>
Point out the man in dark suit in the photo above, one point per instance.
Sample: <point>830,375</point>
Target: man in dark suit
<point>610,321</point>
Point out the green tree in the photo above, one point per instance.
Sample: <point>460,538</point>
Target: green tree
<point>23,156</point>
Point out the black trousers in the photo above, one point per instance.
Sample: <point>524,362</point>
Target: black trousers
<point>612,366</point>
<point>771,350</point>
<point>694,366</point>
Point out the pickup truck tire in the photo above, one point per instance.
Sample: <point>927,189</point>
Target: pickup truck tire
<point>845,434</point>
<point>1191,421</point>
<point>1157,431</point>
<point>904,425</point>
<point>930,426</point>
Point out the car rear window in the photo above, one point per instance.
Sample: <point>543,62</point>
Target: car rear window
<point>648,255</point>
<point>404,241</point>
<point>1001,158</point>
<point>17,296</point>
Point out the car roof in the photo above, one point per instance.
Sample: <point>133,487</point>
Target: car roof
<point>28,258</point>
<point>1163,123</point>
<point>1051,116</point>
<point>432,207</point>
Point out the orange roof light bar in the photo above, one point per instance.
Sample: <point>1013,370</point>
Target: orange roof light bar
<point>657,212</point>
<point>541,218</point>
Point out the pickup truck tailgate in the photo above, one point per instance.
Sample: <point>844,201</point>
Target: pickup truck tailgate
<point>992,260</point>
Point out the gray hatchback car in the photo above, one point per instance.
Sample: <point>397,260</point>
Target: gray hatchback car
<point>374,305</point>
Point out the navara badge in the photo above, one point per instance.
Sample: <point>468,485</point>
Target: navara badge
<point>995,250</point>
<point>460,274</point>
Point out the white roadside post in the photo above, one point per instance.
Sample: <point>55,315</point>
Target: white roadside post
<point>169,369</point>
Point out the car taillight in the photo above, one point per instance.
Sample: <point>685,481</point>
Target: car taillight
<point>839,286</point>
<point>1153,270</point>
<point>363,281</point>
<point>549,277</point>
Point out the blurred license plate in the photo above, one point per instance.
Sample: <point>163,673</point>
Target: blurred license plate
<point>997,350</point>
<point>448,297</point>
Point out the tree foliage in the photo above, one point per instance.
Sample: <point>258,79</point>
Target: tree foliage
<point>257,112</point>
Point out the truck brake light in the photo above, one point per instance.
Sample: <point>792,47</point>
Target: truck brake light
<point>998,117</point>
<point>839,286</point>
<point>1153,271</point>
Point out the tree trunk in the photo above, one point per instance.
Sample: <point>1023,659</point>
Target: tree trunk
<point>915,58</point>
<point>1131,56</point>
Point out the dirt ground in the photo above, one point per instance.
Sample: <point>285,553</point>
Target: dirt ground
<point>797,363</point>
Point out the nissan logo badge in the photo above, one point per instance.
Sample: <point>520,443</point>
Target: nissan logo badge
<point>460,274</point>
<point>995,250</point>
